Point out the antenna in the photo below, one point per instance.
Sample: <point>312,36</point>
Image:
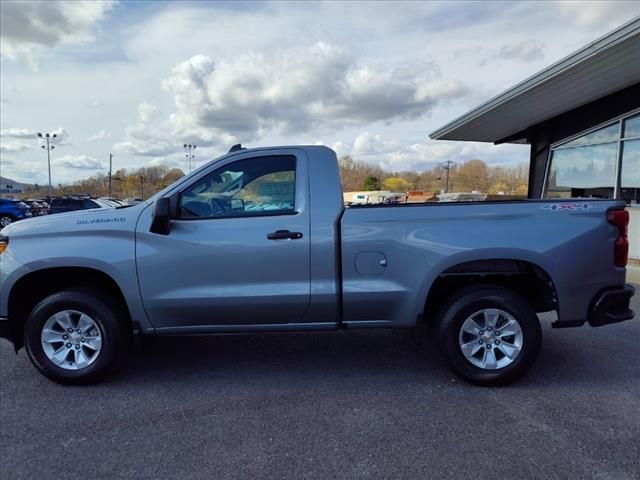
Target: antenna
<point>236,147</point>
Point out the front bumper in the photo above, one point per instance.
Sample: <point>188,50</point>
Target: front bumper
<point>611,305</point>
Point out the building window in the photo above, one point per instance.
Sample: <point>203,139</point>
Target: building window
<point>588,165</point>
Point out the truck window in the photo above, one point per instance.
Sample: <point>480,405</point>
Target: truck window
<point>87,204</point>
<point>249,187</point>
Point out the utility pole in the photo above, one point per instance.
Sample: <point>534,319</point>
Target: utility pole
<point>447,167</point>
<point>110,168</point>
<point>190,153</point>
<point>48,147</point>
<point>141,187</point>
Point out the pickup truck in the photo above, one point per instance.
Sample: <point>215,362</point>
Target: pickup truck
<point>259,240</point>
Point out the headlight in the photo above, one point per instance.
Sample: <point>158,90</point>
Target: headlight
<point>4,243</point>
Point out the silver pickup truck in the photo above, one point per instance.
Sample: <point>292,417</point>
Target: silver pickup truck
<point>259,240</point>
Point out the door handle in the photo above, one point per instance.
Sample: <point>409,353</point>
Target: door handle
<point>284,234</point>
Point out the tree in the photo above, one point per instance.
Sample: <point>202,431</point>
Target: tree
<point>356,175</point>
<point>496,188</point>
<point>522,189</point>
<point>172,175</point>
<point>396,184</point>
<point>371,183</point>
<point>472,175</point>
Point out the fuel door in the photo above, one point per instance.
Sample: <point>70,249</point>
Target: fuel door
<point>370,263</point>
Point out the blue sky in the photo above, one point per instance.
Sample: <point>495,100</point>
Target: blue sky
<point>371,80</point>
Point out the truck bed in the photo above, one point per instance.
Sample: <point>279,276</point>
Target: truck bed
<point>392,253</point>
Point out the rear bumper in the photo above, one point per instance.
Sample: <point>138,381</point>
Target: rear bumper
<point>611,305</point>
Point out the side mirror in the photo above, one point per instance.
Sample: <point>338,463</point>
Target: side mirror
<point>161,220</point>
<point>237,205</point>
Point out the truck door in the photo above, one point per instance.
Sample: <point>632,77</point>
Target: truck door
<point>238,249</point>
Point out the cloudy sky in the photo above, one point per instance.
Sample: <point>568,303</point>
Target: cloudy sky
<point>372,80</point>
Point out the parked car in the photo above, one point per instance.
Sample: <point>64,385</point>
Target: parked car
<point>12,210</point>
<point>38,207</point>
<point>70,204</point>
<point>116,202</point>
<point>259,240</point>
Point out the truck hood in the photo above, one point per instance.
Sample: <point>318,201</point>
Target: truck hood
<point>108,219</point>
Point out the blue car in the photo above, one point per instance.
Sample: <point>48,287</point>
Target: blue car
<point>12,210</point>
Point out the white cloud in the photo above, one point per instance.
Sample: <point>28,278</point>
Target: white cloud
<point>101,135</point>
<point>78,162</point>
<point>27,27</point>
<point>148,113</point>
<point>296,90</point>
<point>260,80</point>
<point>149,137</point>
<point>18,133</point>
<point>526,51</point>
<point>61,138</point>
<point>17,140</point>
<point>372,144</point>
<point>590,13</point>
<point>163,161</point>
<point>396,156</point>
<point>13,146</point>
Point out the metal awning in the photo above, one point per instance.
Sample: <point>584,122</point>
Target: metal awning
<point>602,67</point>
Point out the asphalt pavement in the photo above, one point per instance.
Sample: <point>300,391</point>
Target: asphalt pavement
<point>356,404</point>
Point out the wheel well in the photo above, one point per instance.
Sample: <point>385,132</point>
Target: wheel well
<point>33,287</point>
<point>524,278</point>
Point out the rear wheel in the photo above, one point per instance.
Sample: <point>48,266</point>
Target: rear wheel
<point>74,336</point>
<point>489,335</point>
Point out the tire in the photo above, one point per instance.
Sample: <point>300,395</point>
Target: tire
<point>6,220</point>
<point>501,356</point>
<point>87,352</point>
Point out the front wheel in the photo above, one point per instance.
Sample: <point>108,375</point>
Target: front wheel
<point>5,220</point>
<point>74,337</point>
<point>489,335</point>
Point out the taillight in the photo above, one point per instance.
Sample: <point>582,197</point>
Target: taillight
<point>620,218</point>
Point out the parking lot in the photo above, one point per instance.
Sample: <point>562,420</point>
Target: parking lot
<point>359,404</point>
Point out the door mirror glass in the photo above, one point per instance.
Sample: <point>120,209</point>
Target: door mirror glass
<point>237,205</point>
<point>161,222</point>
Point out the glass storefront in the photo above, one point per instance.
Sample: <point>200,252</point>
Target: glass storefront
<point>588,165</point>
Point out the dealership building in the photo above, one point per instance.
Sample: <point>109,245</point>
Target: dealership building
<point>581,117</point>
<point>10,188</point>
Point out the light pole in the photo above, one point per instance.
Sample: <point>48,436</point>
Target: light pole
<point>447,166</point>
<point>190,153</point>
<point>49,138</point>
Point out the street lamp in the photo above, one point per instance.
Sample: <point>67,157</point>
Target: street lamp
<point>190,153</point>
<point>49,139</point>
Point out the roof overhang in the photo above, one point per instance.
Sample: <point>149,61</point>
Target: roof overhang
<point>602,67</point>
